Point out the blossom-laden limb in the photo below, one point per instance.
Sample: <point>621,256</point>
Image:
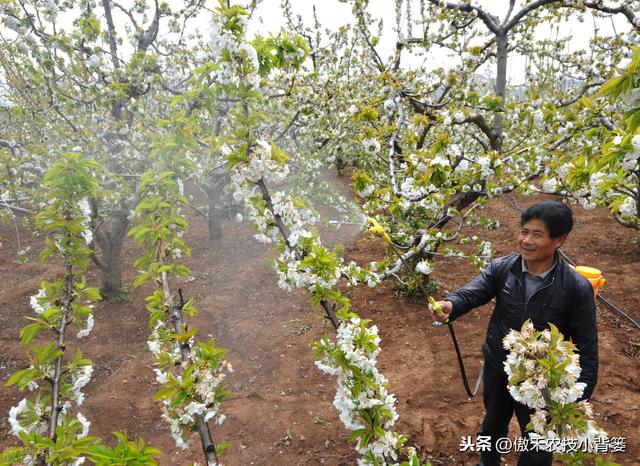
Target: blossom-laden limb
<point>256,164</point>
<point>191,373</point>
<point>543,371</point>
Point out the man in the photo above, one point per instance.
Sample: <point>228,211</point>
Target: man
<point>535,284</point>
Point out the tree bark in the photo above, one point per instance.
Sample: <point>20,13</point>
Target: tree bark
<point>110,238</point>
<point>220,204</point>
<point>501,84</point>
<point>214,220</point>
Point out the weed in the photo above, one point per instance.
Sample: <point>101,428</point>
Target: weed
<point>122,294</point>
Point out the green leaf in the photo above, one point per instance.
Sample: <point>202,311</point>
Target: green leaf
<point>221,447</point>
<point>613,87</point>
<point>93,294</point>
<point>28,333</point>
<point>165,393</point>
<point>180,397</point>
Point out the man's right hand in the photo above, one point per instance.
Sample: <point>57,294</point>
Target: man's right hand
<point>443,316</point>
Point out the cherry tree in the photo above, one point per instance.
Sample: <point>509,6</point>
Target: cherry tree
<point>430,143</point>
<point>608,175</point>
<point>95,75</point>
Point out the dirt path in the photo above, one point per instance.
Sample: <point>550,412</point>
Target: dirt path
<point>280,412</point>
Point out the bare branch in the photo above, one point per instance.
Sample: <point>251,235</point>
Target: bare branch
<point>365,34</point>
<point>524,11</point>
<point>624,9</point>
<point>489,20</point>
<point>113,47</point>
<point>583,91</point>
<point>152,32</point>
<point>506,18</point>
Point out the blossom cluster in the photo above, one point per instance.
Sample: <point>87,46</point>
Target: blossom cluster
<point>18,418</point>
<point>85,210</point>
<point>261,166</point>
<point>236,58</point>
<point>528,378</point>
<point>206,386</point>
<point>30,416</point>
<point>361,389</point>
<point>543,371</point>
<point>192,377</point>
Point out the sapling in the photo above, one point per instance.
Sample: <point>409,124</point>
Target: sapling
<point>191,372</point>
<point>46,424</point>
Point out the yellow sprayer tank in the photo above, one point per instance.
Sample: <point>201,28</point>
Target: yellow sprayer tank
<point>593,275</point>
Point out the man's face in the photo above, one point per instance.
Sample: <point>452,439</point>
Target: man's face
<point>535,243</point>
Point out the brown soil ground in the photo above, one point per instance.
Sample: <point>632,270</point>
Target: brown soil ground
<point>280,411</point>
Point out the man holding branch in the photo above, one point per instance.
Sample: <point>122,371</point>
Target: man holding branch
<point>533,284</point>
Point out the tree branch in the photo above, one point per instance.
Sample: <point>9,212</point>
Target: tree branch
<point>624,9</point>
<point>480,122</point>
<point>624,223</point>
<point>152,32</point>
<point>113,47</point>
<point>524,11</point>
<point>583,91</point>
<point>489,20</point>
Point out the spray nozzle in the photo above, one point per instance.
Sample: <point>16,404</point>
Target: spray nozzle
<point>376,229</point>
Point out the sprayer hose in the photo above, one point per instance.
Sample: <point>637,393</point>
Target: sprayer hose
<point>465,380</point>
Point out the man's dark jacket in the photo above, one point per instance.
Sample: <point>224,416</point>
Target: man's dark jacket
<point>565,299</point>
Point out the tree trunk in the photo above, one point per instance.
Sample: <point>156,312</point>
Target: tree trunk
<point>110,238</point>
<point>221,204</point>
<point>501,85</point>
<point>214,219</point>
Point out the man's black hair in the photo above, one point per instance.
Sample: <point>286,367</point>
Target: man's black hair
<point>556,216</point>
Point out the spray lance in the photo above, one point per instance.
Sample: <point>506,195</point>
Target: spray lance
<point>377,230</point>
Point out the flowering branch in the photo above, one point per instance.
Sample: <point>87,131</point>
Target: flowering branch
<point>191,373</point>
<point>69,186</point>
<point>543,371</point>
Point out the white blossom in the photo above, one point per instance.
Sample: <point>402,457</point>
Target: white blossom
<point>550,185</point>
<point>35,302</point>
<point>628,207</point>
<point>154,346</point>
<point>424,267</point>
<point>85,210</point>
<point>14,412</point>
<point>86,331</point>
<point>371,145</point>
<point>85,425</point>
<point>366,192</point>
<point>81,380</point>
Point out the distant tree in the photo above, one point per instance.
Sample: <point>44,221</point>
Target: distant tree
<point>94,75</point>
